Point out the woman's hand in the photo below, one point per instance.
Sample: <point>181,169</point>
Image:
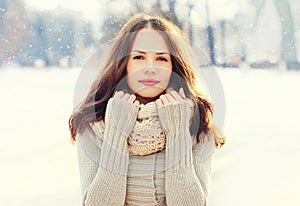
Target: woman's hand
<point>171,98</point>
<point>173,110</point>
<point>174,115</point>
<point>121,112</point>
<point>126,97</point>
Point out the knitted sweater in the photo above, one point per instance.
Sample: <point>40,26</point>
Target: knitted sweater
<point>179,175</point>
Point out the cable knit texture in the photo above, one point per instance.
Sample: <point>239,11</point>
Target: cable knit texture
<point>180,171</point>
<point>177,175</point>
<point>120,117</point>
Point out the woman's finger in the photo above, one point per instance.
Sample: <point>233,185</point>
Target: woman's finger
<point>131,98</point>
<point>176,96</point>
<point>159,102</point>
<point>181,93</point>
<point>163,99</point>
<point>119,94</point>
<point>125,96</point>
<point>170,98</point>
<point>136,102</point>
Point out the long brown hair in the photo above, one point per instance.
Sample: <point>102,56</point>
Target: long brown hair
<point>92,108</point>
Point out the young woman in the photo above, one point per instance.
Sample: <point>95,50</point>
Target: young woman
<point>144,132</point>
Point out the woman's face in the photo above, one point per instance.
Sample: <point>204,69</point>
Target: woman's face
<point>149,66</point>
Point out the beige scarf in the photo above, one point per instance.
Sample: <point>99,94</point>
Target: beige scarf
<point>147,136</point>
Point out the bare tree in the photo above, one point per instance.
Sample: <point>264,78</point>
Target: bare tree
<point>288,43</point>
<point>13,30</point>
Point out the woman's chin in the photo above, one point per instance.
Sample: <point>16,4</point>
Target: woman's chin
<point>146,98</point>
<point>150,92</point>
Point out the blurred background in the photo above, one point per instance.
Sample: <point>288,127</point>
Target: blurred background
<point>249,53</point>
<point>259,33</point>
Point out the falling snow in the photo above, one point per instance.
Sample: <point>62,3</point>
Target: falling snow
<point>40,55</point>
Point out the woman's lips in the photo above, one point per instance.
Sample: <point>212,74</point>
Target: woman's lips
<point>149,82</point>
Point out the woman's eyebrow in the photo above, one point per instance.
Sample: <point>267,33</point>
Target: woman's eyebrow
<point>144,52</point>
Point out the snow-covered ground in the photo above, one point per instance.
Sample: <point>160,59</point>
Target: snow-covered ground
<point>259,165</point>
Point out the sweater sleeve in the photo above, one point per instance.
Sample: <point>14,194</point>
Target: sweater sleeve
<point>183,184</point>
<point>104,183</point>
<point>203,154</point>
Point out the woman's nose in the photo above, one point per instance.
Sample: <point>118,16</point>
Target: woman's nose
<point>150,67</point>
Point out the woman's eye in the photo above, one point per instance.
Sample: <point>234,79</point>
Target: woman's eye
<point>138,57</point>
<point>162,59</point>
